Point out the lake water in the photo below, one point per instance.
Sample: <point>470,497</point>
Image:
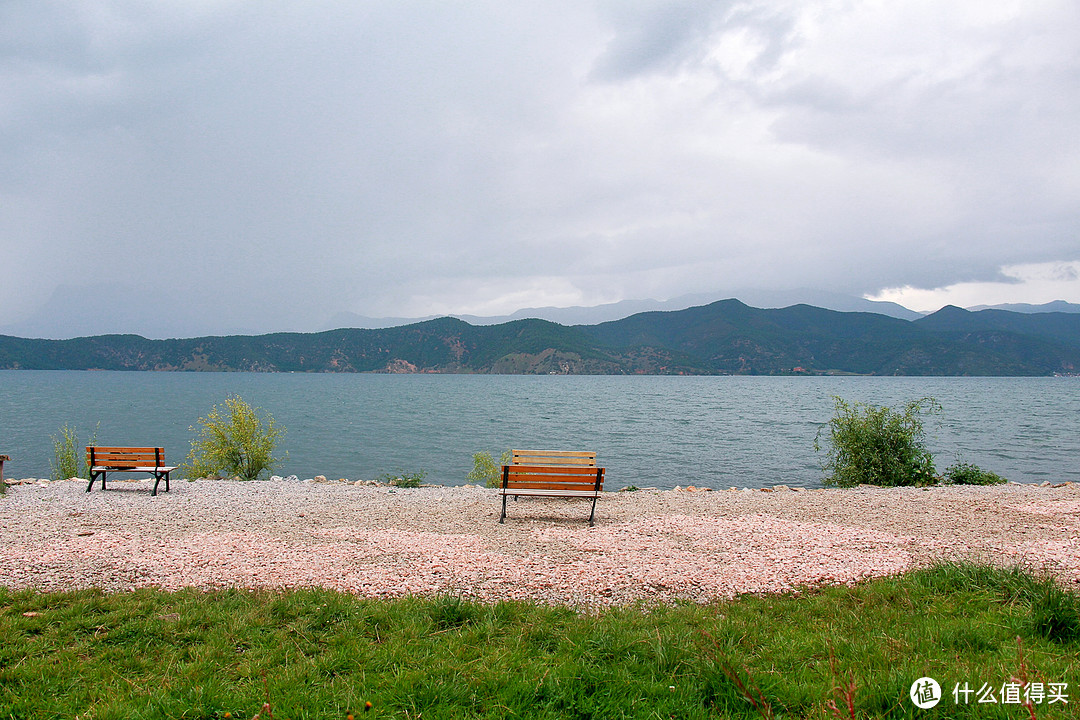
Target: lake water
<point>648,431</point>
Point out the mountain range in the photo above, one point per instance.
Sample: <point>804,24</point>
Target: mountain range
<point>723,337</point>
<point>594,314</point>
<point>155,312</point>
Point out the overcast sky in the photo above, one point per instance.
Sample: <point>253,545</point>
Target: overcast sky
<point>243,164</point>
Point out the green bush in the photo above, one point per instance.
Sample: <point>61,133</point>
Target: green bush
<point>485,471</point>
<point>403,479</point>
<point>235,441</point>
<point>968,474</point>
<point>871,445</point>
<point>69,455</point>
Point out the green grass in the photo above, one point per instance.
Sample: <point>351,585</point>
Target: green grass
<point>321,654</point>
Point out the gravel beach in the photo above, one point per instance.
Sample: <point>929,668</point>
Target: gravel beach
<point>646,545</point>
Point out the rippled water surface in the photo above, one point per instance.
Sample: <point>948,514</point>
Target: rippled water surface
<point>648,431</point>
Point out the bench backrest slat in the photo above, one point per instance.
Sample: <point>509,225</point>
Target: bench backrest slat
<point>538,477</point>
<point>575,458</point>
<point>124,456</point>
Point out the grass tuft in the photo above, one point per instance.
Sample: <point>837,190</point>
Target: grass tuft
<point>1055,613</point>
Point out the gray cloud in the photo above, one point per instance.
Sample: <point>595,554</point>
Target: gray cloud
<point>269,166</point>
<point>649,36</point>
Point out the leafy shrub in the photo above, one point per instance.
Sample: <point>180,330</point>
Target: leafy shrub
<point>234,440</point>
<point>968,474</point>
<point>69,455</point>
<point>486,471</point>
<point>872,445</point>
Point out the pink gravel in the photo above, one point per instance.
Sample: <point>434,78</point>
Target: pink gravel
<point>647,546</point>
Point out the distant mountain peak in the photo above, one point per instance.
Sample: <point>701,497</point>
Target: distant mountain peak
<point>951,310</point>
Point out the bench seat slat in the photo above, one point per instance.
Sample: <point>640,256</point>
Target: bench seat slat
<point>580,458</point>
<point>539,492</point>
<point>124,460</point>
<point>551,487</point>
<point>124,453</point>
<point>567,471</point>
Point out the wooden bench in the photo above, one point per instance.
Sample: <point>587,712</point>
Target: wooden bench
<point>103,460</point>
<point>552,473</point>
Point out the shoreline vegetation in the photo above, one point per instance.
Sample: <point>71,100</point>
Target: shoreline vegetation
<point>723,338</point>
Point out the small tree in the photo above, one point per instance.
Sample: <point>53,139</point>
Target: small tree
<point>234,440</point>
<point>874,445</point>
<point>485,470</point>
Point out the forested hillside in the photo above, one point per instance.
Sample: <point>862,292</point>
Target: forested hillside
<point>726,337</point>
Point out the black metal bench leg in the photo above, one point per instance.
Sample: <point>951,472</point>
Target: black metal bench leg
<point>505,482</point>
<point>592,514</point>
<point>93,478</point>
<point>158,477</point>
